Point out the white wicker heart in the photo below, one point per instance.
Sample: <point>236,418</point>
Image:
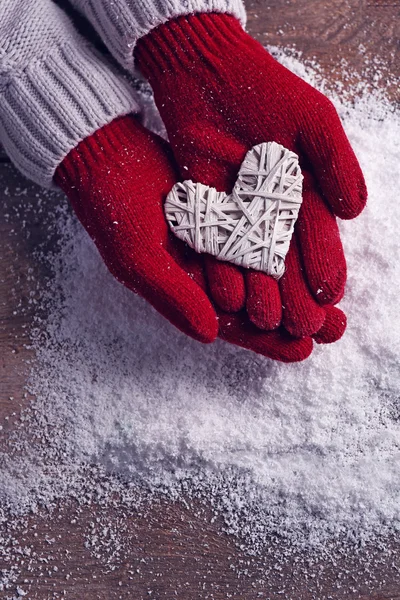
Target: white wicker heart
<point>253,226</point>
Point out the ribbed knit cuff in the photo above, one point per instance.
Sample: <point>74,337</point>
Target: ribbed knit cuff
<point>121,23</point>
<point>105,148</point>
<point>182,43</point>
<point>58,100</point>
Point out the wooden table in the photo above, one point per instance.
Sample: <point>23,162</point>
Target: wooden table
<point>177,552</point>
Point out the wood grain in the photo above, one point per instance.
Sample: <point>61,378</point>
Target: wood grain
<point>177,551</point>
<point>350,39</point>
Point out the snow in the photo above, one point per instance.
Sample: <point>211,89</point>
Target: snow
<point>307,451</point>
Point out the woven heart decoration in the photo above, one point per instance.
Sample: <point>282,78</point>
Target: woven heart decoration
<point>253,226</point>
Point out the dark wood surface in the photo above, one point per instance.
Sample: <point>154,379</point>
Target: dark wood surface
<point>176,551</point>
<point>350,39</point>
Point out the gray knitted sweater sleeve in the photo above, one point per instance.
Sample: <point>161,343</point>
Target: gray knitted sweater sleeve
<point>120,23</point>
<point>55,89</point>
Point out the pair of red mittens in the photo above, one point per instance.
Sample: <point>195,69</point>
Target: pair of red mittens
<point>220,93</point>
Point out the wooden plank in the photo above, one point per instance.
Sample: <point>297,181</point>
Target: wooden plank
<point>185,554</point>
<point>350,40</point>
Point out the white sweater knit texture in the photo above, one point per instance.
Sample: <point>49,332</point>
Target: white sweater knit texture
<point>55,88</point>
<point>120,23</point>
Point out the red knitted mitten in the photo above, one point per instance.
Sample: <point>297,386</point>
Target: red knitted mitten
<point>117,180</point>
<point>219,93</point>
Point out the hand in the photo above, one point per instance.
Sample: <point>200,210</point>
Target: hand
<point>219,93</point>
<point>117,180</point>
<point>237,329</point>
